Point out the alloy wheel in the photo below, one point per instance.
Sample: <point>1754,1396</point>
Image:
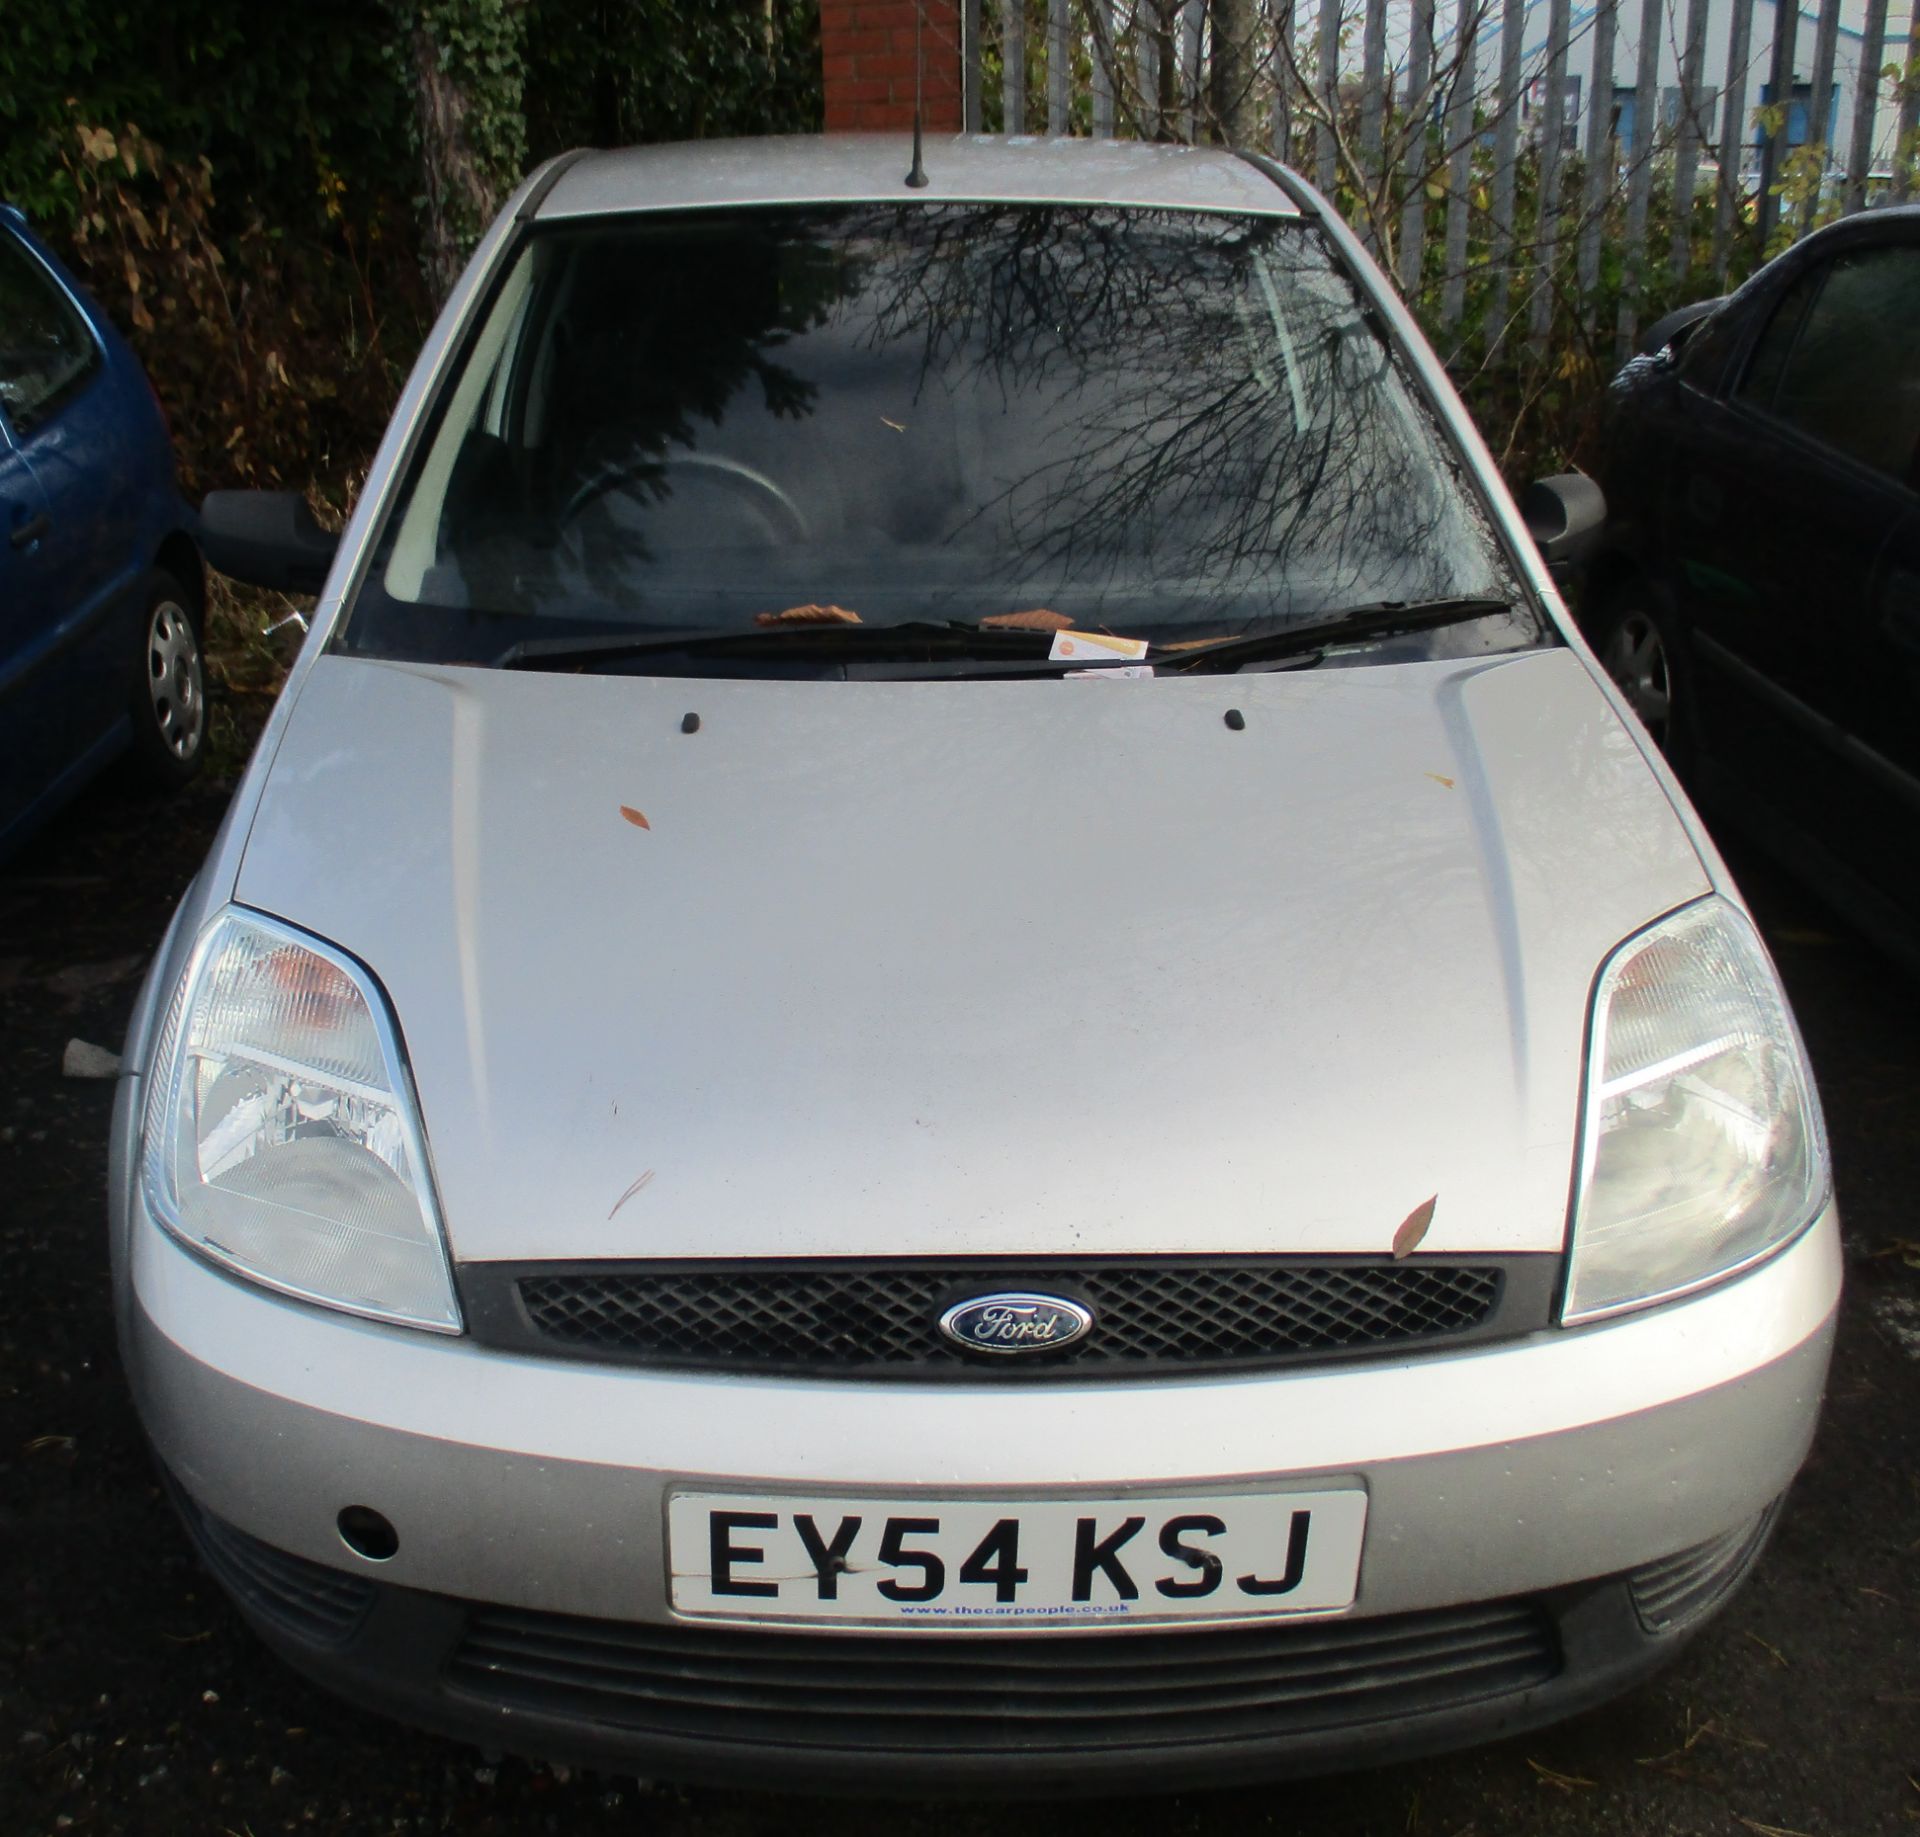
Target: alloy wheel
<point>1635,657</point>
<point>175,686</point>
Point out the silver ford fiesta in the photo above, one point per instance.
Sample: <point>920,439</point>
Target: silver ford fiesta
<point>734,1170</point>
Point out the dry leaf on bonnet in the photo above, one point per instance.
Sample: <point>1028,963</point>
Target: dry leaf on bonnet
<point>1414,1227</point>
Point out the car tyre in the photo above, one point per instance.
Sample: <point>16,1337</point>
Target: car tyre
<point>1637,646</point>
<point>169,699</point>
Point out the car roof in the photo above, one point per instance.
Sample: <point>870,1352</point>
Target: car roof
<point>972,168</point>
<point>1897,221</point>
<point>1883,223</point>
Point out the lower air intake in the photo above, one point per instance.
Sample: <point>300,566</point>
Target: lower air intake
<point>1680,1589</point>
<point>308,1601</point>
<point>989,1694</point>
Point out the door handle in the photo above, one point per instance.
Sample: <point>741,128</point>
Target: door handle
<point>25,534</point>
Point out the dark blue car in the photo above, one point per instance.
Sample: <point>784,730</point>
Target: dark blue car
<point>1757,591</point>
<point>101,588</point>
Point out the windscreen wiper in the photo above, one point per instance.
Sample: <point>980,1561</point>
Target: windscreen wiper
<point>919,636</point>
<point>955,639</point>
<point>1376,619</point>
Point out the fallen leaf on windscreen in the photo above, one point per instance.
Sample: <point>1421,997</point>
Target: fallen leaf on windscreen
<point>1039,619</point>
<point>1414,1227</point>
<point>899,427</point>
<point>634,817</point>
<point>1441,779</point>
<point>808,614</point>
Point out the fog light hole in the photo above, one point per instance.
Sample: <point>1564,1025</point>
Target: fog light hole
<point>366,1533</point>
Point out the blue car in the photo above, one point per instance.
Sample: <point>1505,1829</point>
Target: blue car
<point>102,594</point>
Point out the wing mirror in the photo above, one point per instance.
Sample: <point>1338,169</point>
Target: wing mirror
<point>1564,515</point>
<point>1672,332</point>
<point>267,539</point>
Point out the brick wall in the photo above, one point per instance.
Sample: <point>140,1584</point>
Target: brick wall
<point>866,56</point>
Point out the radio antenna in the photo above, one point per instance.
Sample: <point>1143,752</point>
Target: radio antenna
<point>917,177</point>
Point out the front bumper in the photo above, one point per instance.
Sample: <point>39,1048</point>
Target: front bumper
<point>991,1717</point>
<point>1513,1474</point>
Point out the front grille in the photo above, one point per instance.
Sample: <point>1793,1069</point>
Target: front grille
<point>997,1694</point>
<point>315,1604</point>
<point>1679,1590</point>
<point>1150,1315</point>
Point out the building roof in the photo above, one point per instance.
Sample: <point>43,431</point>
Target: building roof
<point>832,168</point>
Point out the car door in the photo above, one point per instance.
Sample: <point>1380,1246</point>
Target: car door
<point>60,398</point>
<point>32,746</point>
<point>1885,728</point>
<point>1849,391</point>
<point>1781,519</point>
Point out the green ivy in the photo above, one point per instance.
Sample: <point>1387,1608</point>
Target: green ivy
<point>480,45</point>
<point>273,95</point>
<point>307,112</point>
<point>478,48</point>
<point>614,72</point>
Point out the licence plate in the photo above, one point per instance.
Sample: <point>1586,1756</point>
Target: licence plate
<point>1013,1562</point>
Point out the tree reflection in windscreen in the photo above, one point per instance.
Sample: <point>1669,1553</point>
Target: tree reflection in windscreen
<point>1167,423</point>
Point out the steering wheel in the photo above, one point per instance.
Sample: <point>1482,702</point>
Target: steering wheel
<point>756,491</point>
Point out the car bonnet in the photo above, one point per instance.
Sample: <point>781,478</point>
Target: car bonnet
<point>959,968</point>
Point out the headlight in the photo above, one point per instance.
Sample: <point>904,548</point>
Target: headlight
<point>1701,1145</point>
<point>281,1137</point>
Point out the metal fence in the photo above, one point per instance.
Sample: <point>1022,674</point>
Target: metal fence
<point>1507,160</point>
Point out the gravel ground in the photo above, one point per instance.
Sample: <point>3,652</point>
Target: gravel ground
<point>132,1699</point>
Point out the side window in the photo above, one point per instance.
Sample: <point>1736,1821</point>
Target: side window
<point>47,352</point>
<point>1851,379</point>
<point>1703,357</point>
<point>1769,360</point>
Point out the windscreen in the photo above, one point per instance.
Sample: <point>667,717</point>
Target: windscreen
<point>1165,424</point>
